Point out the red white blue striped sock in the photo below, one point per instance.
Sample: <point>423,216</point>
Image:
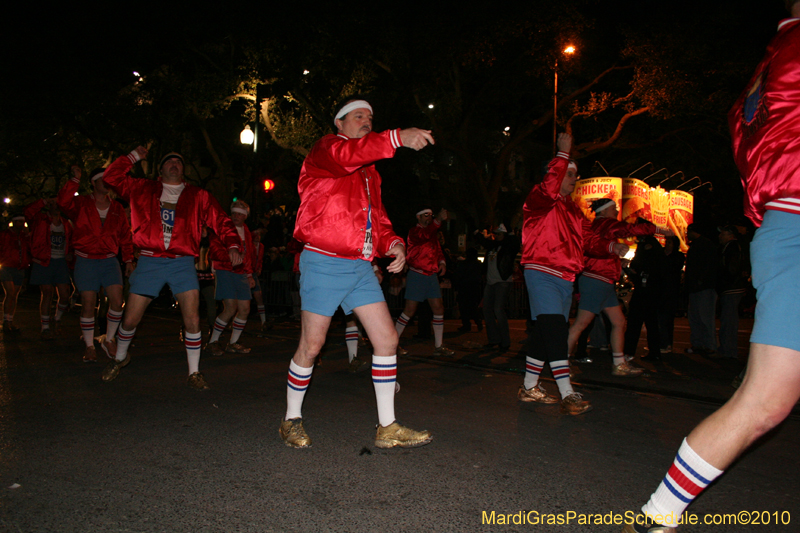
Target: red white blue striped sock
<point>113,318</point>
<point>533,369</point>
<point>192,341</point>
<point>238,328</point>
<point>262,313</point>
<point>560,371</point>
<point>219,327</point>
<point>60,310</point>
<point>87,329</point>
<point>686,478</point>
<point>384,377</point>
<point>124,338</point>
<point>438,330</point>
<point>299,377</point>
<point>402,322</point>
<point>45,322</point>
<point>351,340</point>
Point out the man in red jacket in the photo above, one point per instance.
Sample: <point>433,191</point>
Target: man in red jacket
<point>50,246</point>
<point>343,224</point>
<point>597,283</point>
<point>15,256</point>
<point>167,217</point>
<point>233,284</point>
<point>765,127</point>
<point>101,231</point>
<point>554,235</point>
<point>426,263</point>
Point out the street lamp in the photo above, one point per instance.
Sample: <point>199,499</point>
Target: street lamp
<point>569,50</point>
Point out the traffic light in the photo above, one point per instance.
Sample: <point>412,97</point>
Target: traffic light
<point>269,185</point>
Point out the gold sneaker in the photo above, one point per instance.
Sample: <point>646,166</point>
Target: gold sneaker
<point>574,404</point>
<point>626,370</point>
<point>108,346</point>
<point>396,435</point>
<point>112,369</point>
<point>441,350</point>
<point>237,348</point>
<point>213,348</point>
<point>293,434</point>
<point>535,394</point>
<point>90,355</point>
<point>197,381</point>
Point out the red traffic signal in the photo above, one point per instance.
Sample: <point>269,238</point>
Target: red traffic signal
<point>269,185</point>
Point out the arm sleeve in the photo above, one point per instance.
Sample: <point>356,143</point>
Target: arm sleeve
<point>544,195</point>
<point>341,157</point>
<point>216,219</point>
<point>116,175</point>
<point>125,238</point>
<point>66,198</point>
<point>621,230</point>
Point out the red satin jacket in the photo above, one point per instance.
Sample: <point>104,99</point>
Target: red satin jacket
<point>424,251</point>
<point>196,208</point>
<point>338,188</point>
<point>607,267</point>
<point>765,127</point>
<point>39,226</point>
<point>91,238</point>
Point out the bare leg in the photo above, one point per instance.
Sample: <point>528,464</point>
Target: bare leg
<point>583,319</point>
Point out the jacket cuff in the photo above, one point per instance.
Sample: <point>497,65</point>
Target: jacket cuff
<point>563,155</point>
<point>394,137</point>
<point>133,157</point>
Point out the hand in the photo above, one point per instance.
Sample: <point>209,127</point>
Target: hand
<point>620,249</point>
<point>236,257</point>
<point>398,251</point>
<point>251,282</point>
<point>129,268</point>
<point>564,142</point>
<point>442,216</point>
<point>141,151</point>
<point>666,232</point>
<point>442,269</point>
<point>415,138</point>
<point>76,171</point>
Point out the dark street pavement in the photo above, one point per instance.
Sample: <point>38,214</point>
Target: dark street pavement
<point>145,453</point>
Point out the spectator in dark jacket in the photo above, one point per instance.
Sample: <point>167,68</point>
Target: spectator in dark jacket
<point>701,282</point>
<point>647,273</point>
<point>672,289</point>
<point>467,282</point>
<point>731,285</point>
<point>501,253</point>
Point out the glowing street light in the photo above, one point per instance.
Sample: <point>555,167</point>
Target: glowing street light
<point>430,106</point>
<point>568,51</point>
<point>7,200</point>
<point>247,136</point>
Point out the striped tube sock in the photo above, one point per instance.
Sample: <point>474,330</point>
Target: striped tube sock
<point>192,341</point>
<point>60,310</point>
<point>113,318</point>
<point>619,358</point>
<point>45,322</point>
<point>402,322</point>
<point>686,478</point>
<point>533,369</point>
<point>297,385</point>
<point>351,340</point>
<point>438,330</point>
<point>560,371</point>
<point>219,327</point>
<point>124,338</point>
<point>262,313</point>
<point>384,377</point>
<point>238,328</point>
<point>87,329</point>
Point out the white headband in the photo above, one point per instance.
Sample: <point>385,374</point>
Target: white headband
<point>356,104</point>
<point>239,210</point>
<point>425,211</point>
<point>605,206</point>
<point>573,164</point>
<point>98,175</point>
<point>18,218</point>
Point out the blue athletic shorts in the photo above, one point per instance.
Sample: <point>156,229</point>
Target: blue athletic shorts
<point>12,274</point>
<point>231,286</point>
<point>152,273</point>
<point>92,274</point>
<point>257,286</point>
<point>596,295</point>
<point>775,258</point>
<point>328,282</point>
<point>420,287</point>
<point>55,273</point>
<point>547,294</point>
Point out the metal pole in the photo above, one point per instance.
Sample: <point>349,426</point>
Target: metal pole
<point>555,105</point>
